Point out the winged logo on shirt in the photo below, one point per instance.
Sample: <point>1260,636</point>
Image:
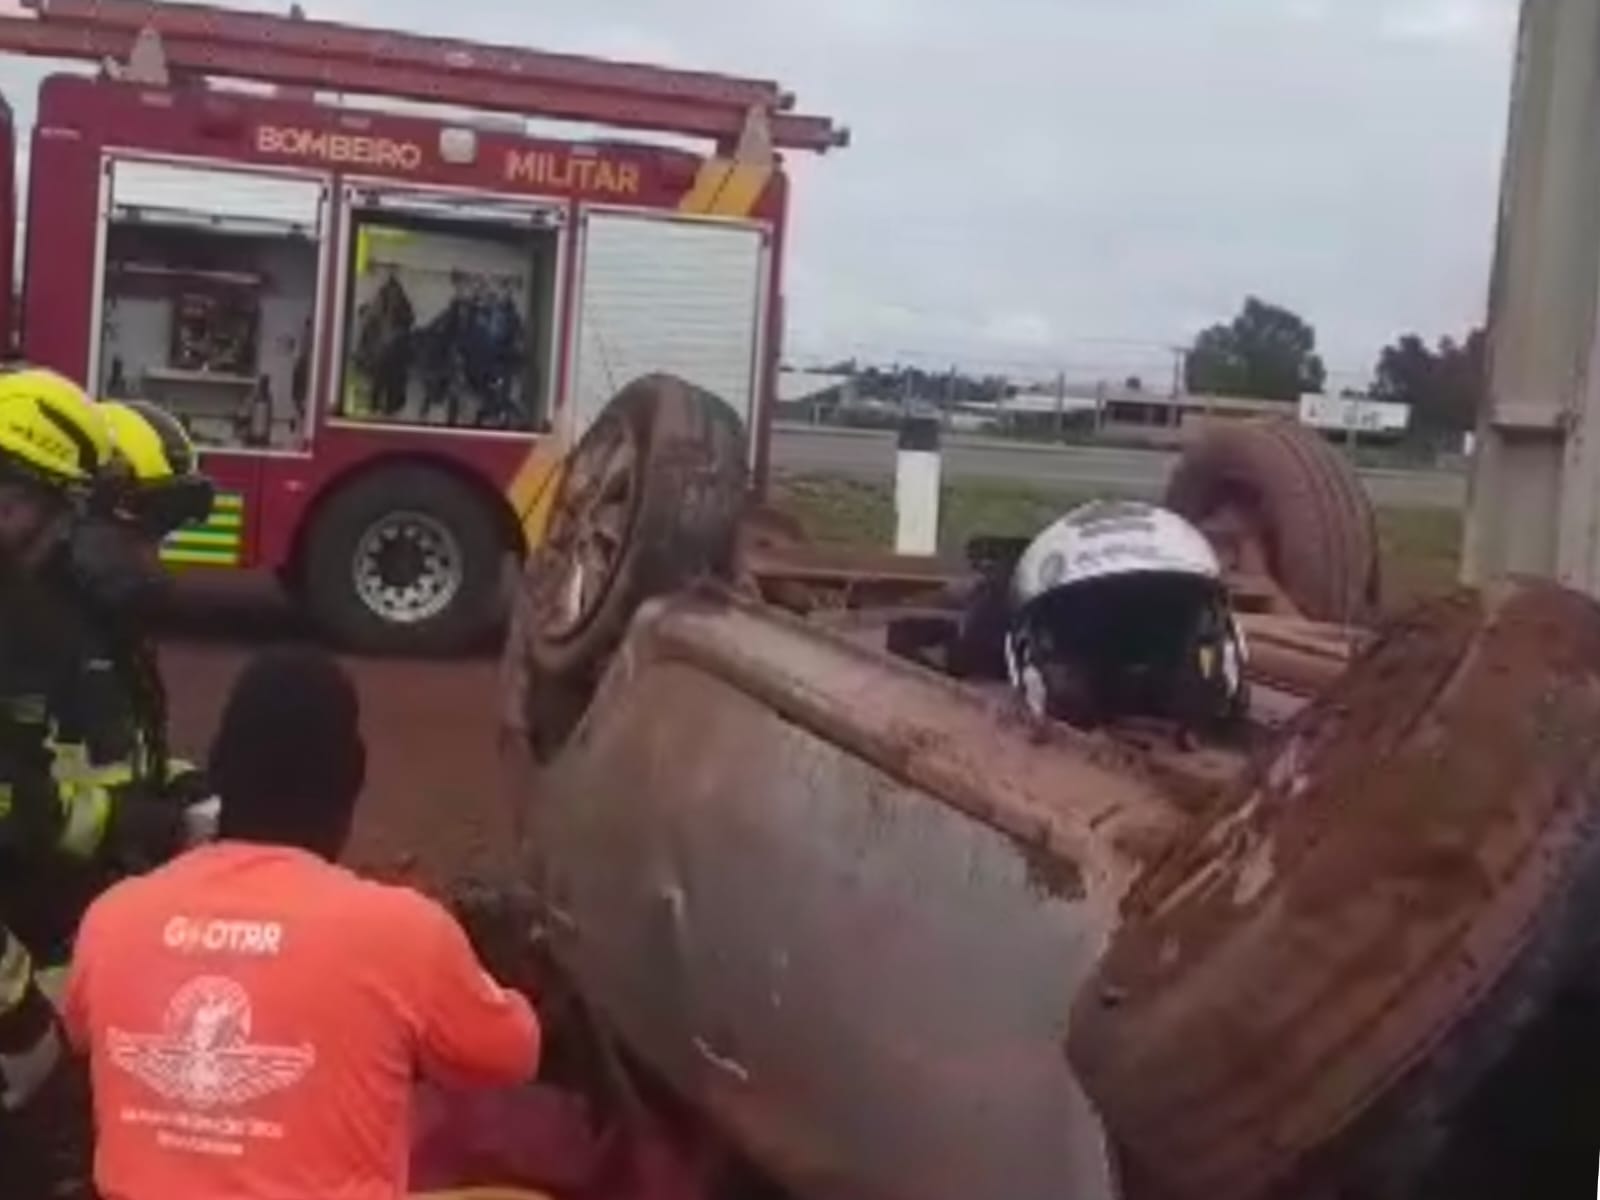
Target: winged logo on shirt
<point>203,1055</point>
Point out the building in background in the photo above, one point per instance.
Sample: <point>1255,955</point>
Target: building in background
<point>1356,416</point>
<point>1063,410</point>
<point>813,397</point>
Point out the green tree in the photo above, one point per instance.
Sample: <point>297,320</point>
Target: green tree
<point>1443,385</point>
<point>1266,352</point>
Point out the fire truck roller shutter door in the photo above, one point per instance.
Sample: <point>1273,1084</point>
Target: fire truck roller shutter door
<point>667,296</point>
<point>406,558</point>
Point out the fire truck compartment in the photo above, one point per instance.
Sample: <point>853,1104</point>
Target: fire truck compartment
<point>209,304</point>
<point>682,297</point>
<point>449,311</point>
<point>208,297</point>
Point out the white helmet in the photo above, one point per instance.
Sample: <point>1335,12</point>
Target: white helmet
<point>1071,655</point>
<point>1111,537</point>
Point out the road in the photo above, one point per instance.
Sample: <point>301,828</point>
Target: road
<point>436,806</point>
<point>869,455</point>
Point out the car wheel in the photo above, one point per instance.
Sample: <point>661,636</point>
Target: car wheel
<point>649,500</point>
<point>1313,993</point>
<point>1277,499</point>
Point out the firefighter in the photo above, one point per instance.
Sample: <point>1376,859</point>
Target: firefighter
<point>92,793</point>
<point>1119,610</point>
<point>118,804</point>
<point>53,444</point>
<point>112,720</point>
<point>125,805</point>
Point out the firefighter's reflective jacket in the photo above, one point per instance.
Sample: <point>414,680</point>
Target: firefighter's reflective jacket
<point>79,742</point>
<point>84,779</point>
<point>29,1042</point>
<point>109,736</point>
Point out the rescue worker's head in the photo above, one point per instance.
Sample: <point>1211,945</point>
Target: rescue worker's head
<point>54,443</point>
<point>288,760</point>
<point>1119,609</point>
<point>154,485</point>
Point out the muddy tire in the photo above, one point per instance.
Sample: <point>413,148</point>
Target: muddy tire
<point>1321,991</point>
<point>1302,502</point>
<point>405,560</point>
<point>650,500</point>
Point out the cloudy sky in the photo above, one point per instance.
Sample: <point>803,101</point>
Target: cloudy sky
<point>1085,181</point>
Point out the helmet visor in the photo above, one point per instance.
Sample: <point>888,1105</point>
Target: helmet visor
<point>158,510</point>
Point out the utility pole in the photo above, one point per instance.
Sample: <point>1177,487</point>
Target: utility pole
<point>1535,497</point>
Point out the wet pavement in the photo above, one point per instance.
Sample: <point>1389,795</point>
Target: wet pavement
<point>434,805</point>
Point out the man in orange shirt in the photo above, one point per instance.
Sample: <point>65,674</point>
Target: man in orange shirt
<point>254,1015</point>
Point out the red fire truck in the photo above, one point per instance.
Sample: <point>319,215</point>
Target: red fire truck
<point>382,328</point>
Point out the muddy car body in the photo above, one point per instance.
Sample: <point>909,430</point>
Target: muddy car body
<point>891,938</point>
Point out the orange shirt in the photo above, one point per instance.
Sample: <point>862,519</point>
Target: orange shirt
<point>255,1019</point>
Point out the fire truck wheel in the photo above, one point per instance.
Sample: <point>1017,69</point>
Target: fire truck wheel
<point>650,500</point>
<point>405,559</point>
<point>1277,500</point>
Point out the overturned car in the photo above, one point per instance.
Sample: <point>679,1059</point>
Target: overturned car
<point>887,933</point>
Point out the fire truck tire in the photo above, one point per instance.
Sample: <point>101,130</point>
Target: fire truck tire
<point>651,499</point>
<point>405,560</point>
<point>1300,500</point>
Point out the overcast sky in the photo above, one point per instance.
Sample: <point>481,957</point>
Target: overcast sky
<point>1080,181</point>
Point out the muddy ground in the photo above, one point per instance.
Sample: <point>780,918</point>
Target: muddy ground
<point>435,805</point>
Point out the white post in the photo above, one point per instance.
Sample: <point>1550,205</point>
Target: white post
<point>916,487</point>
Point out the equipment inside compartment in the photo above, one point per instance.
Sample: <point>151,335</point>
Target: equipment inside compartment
<point>442,323</point>
<point>214,324</point>
<point>209,308</point>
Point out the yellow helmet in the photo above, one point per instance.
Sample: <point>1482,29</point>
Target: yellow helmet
<point>50,430</point>
<point>155,481</point>
<point>155,447</point>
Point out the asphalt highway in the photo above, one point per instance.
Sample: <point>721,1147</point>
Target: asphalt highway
<point>869,455</point>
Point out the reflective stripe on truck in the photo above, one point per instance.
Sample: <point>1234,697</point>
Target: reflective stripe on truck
<point>217,543</point>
